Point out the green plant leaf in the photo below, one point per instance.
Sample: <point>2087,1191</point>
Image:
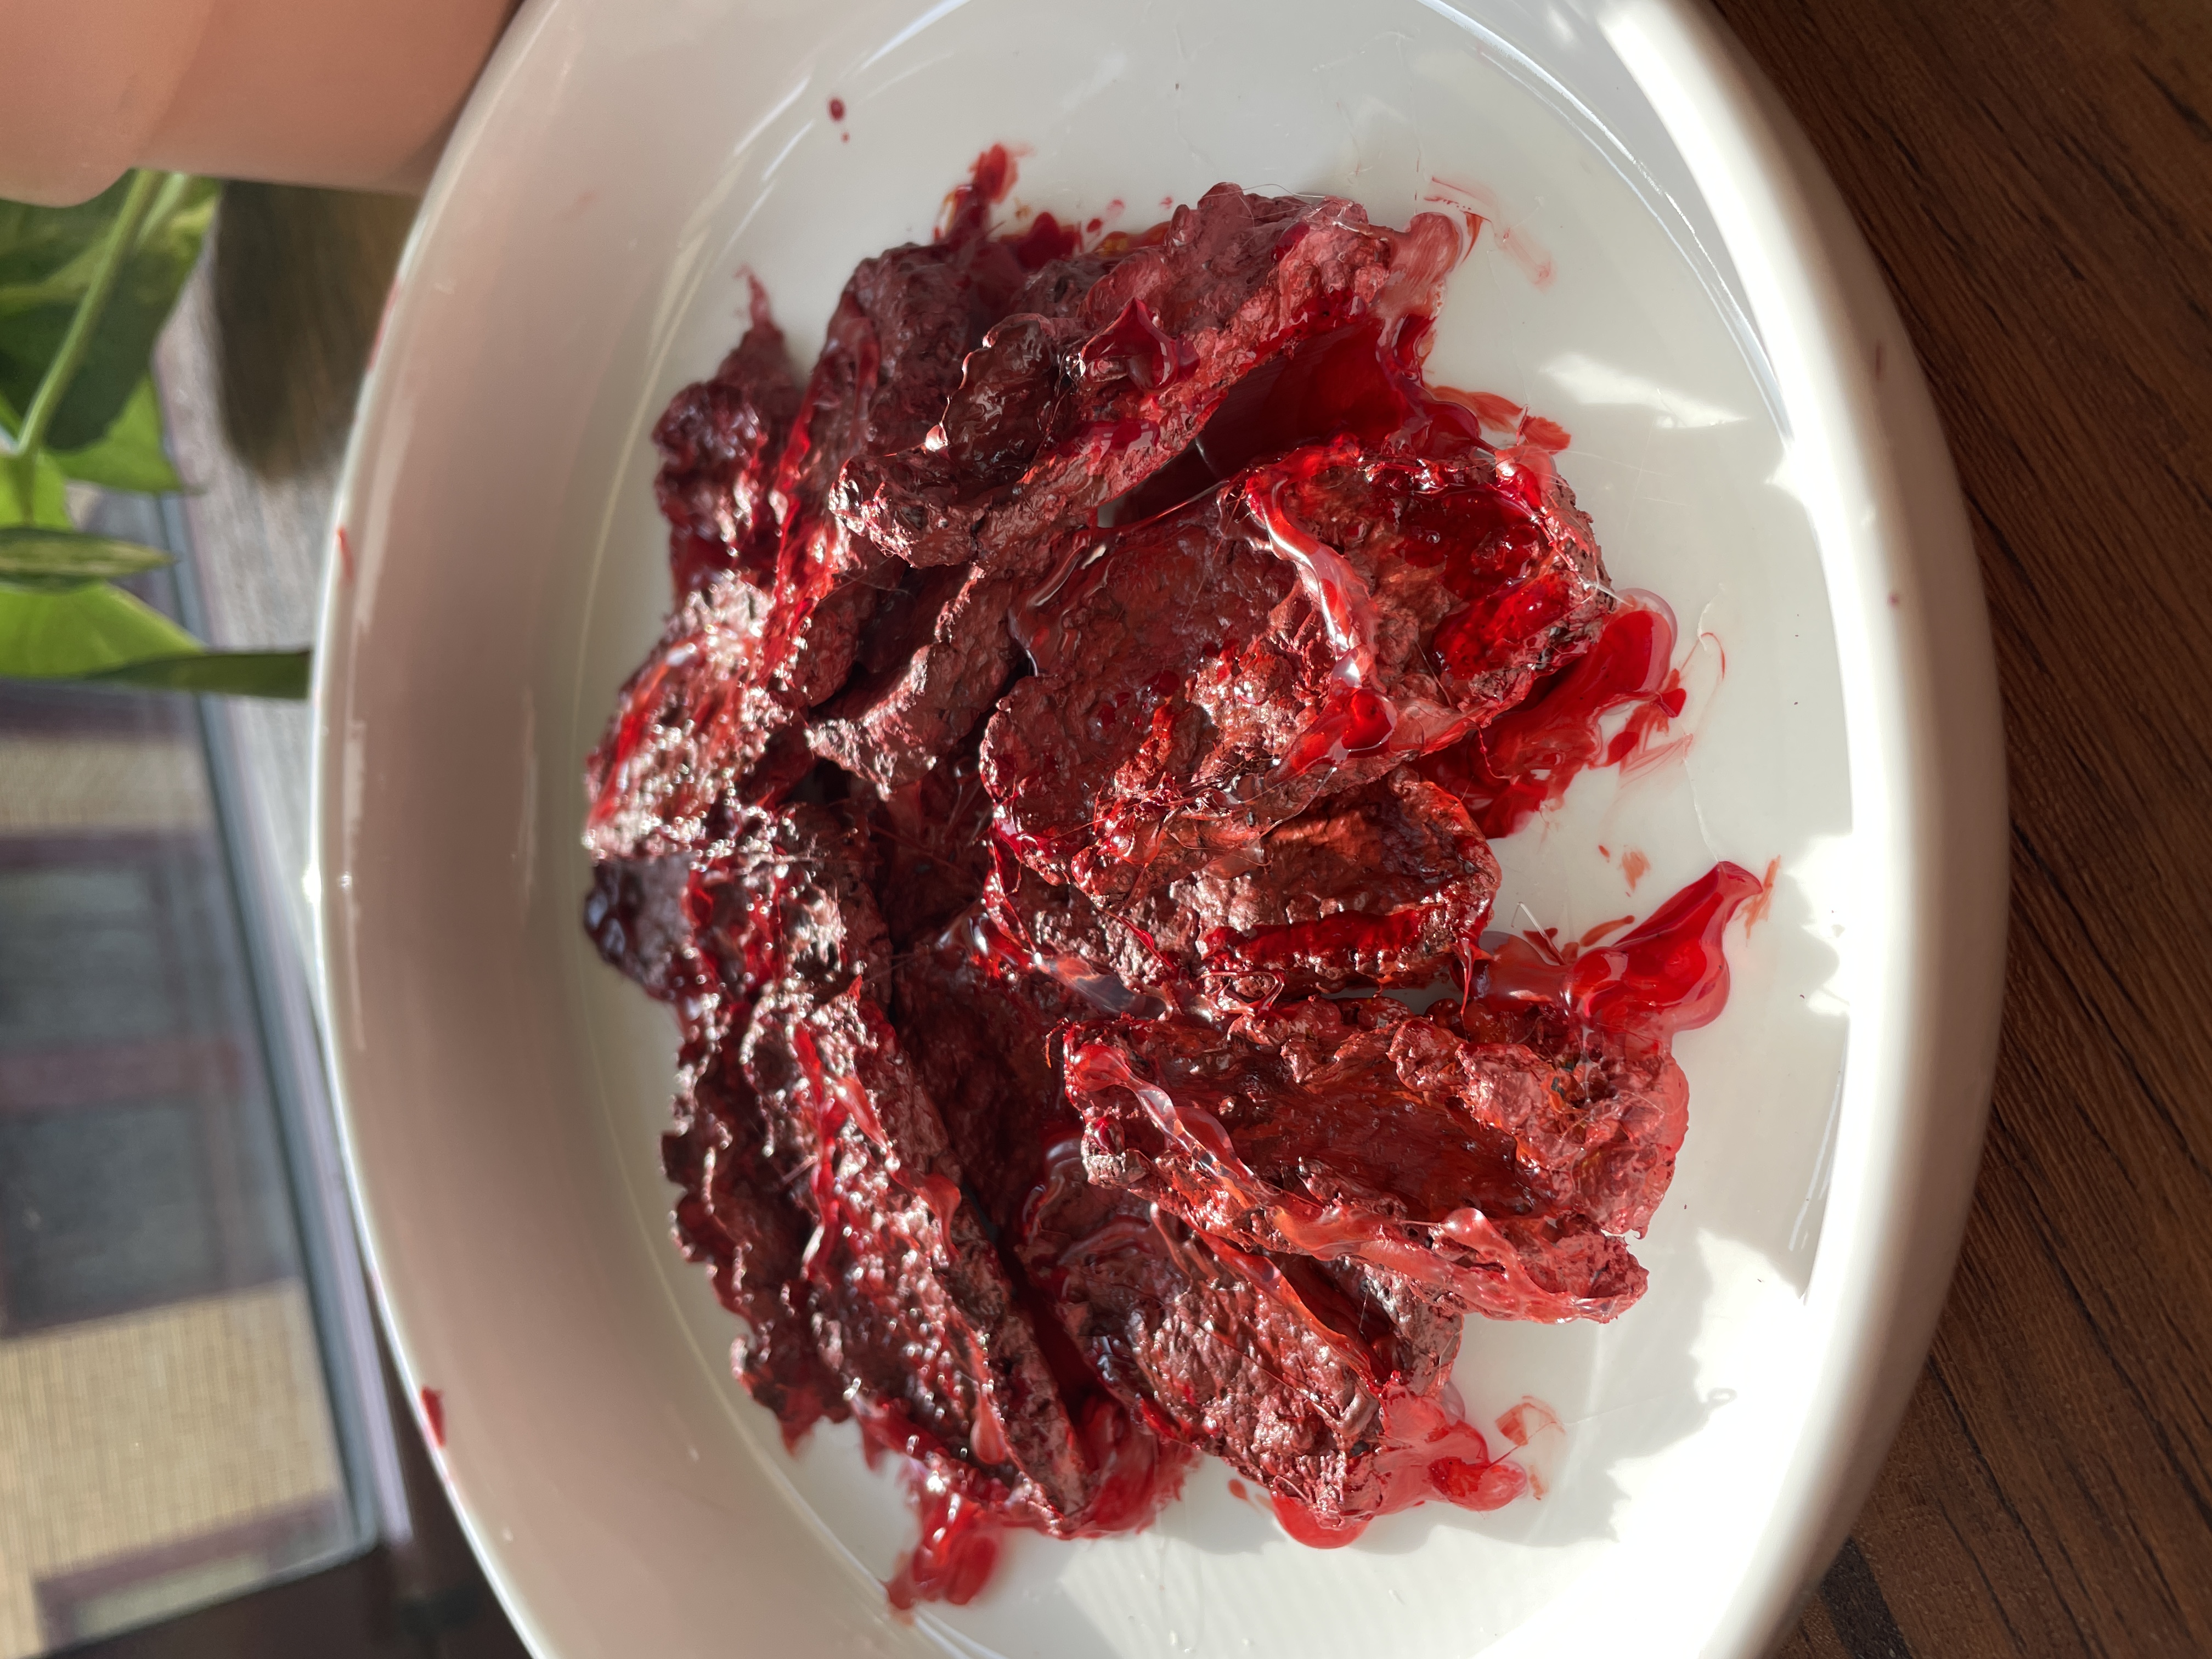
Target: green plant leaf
<point>82,631</point>
<point>48,502</point>
<point>101,633</point>
<point>46,255</point>
<point>37,243</point>
<point>129,454</point>
<point>36,556</point>
<point>239,673</point>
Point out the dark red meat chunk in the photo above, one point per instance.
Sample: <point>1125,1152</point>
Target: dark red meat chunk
<point>737,1214</point>
<point>1208,674</point>
<point>1385,1141</point>
<point>825,1138</point>
<point>1260,1360</point>
<point>1387,885</point>
<point>695,735</point>
<point>1088,412</point>
<point>933,837</point>
<point>944,652</point>
<point>720,441</point>
<point>634,915</point>
<point>789,913</point>
<point>902,327</point>
<point>912,1302</point>
<point>981,1039</point>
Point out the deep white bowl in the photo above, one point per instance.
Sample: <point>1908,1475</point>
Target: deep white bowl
<point>1665,273</point>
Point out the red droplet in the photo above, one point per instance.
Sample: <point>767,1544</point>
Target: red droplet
<point>837,109</point>
<point>967,212</point>
<point>434,1416</point>
<point>953,1561</point>
<point>1310,1529</point>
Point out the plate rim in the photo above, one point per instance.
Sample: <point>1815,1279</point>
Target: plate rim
<point>1917,651</point>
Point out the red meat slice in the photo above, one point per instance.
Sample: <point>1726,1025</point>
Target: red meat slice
<point>950,656</point>
<point>892,357</point>
<point>695,735</point>
<point>720,440</point>
<point>1386,884</point>
<point>1064,418</point>
<point>907,1296</point>
<point>980,1040</point>
<point>634,915</point>
<point>1257,1359</point>
<point>788,913</point>
<point>932,839</point>
<point>981,1037</point>
<point>736,1214</point>
<point>1373,1138</point>
<point>735,1210</point>
<point>1098,962</point>
<point>911,1304</point>
<point>1209,674</point>
<point>1112,744</point>
<point>934,651</point>
<point>715,721</point>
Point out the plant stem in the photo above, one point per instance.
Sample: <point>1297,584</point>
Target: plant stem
<point>122,239</point>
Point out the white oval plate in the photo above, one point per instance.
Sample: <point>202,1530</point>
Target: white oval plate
<point>1667,274</point>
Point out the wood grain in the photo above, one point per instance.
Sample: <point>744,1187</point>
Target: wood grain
<point>2036,180</point>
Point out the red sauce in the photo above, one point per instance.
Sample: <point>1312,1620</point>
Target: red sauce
<point>952,1562</point>
<point>1669,975</point>
<point>1428,1453</point>
<point>1529,756</point>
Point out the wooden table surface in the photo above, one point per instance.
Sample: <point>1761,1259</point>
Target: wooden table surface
<point>2035,177</point>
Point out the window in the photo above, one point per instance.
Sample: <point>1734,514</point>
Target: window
<point>179,1411</point>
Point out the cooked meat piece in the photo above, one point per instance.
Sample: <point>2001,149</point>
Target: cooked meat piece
<point>695,735</point>
<point>1257,1360</point>
<point>979,1031</point>
<point>980,1037</point>
<point>893,724</point>
<point>1059,416</point>
<point>1210,673</point>
<point>1387,885</point>
<point>789,910</point>
<point>932,839</point>
<point>1377,1138</point>
<point>634,915</point>
<point>720,440</point>
<point>911,1304</point>
<point>736,1212</point>
<point>896,342</point>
